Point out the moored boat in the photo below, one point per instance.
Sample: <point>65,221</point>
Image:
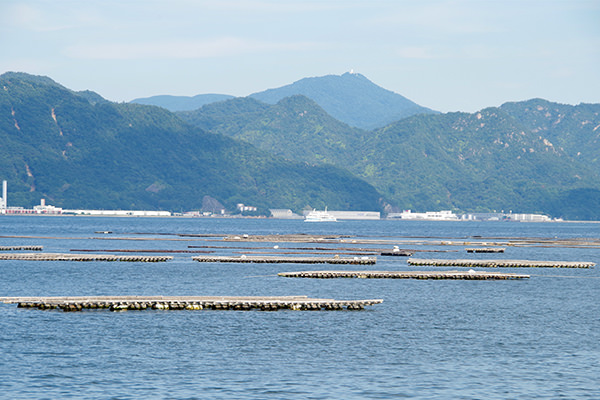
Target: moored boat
<point>319,216</point>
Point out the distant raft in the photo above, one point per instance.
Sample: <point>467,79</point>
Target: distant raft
<point>485,250</point>
<point>81,257</point>
<point>468,275</point>
<point>499,263</point>
<point>286,260</point>
<point>26,248</point>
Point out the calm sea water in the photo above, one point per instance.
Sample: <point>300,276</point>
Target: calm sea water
<point>534,339</point>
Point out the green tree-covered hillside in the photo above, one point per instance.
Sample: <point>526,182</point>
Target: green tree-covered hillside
<point>79,152</point>
<point>295,124</point>
<point>533,156</point>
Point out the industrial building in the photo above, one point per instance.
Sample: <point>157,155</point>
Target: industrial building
<point>429,215</point>
<point>355,215</point>
<point>119,213</point>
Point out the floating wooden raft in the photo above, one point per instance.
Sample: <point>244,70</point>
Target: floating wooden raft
<point>27,248</point>
<point>80,257</point>
<point>470,275</point>
<point>500,263</point>
<point>296,260</point>
<point>121,303</point>
<point>485,250</point>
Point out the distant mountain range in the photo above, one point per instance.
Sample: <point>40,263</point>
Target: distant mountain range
<point>78,150</point>
<point>351,98</point>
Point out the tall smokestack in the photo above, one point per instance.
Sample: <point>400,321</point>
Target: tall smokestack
<point>4,203</point>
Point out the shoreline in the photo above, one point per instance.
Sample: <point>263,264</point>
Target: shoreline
<point>282,219</point>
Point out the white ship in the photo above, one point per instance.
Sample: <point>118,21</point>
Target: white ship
<point>319,216</point>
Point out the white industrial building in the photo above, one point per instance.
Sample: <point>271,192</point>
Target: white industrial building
<point>41,209</point>
<point>120,213</point>
<point>444,215</point>
<point>357,215</point>
<point>46,209</point>
<point>528,217</point>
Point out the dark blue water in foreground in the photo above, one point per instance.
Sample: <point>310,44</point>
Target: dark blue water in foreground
<point>534,339</point>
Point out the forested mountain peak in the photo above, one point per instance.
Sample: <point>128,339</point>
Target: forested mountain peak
<point>350,98</point>
<point>22,77</point>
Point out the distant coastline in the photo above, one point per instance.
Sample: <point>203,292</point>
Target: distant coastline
<point>237,216</point>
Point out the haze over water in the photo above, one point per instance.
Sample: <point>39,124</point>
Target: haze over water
<point>535,338</point>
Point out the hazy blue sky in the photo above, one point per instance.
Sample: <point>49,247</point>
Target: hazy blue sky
<point>447,55</point>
